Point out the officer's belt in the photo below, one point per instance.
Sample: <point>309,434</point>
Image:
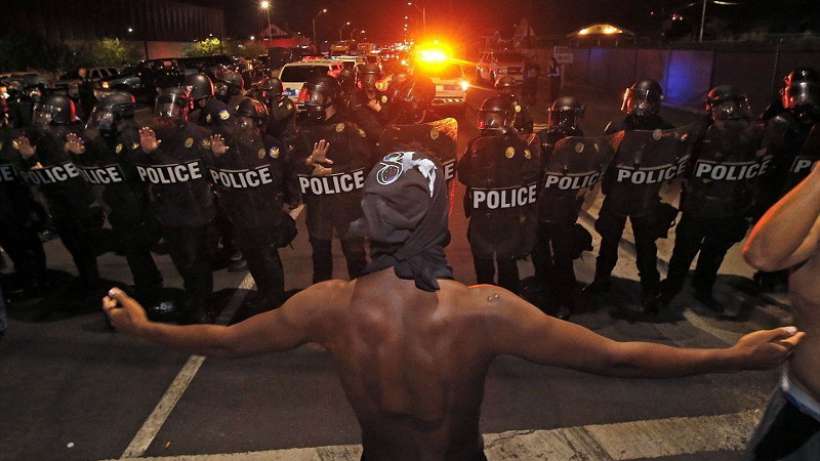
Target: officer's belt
<point>339,183</point>
<point>503,198</point>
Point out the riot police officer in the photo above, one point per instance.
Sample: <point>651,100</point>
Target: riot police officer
<point>347,85</point>
<point>21,218</point>
<point>281,123</point>
<point>170,162</point>
<point>331,158</point>
<point>113,137</point>
<point>789,129</point>
<point>202,91</point>
<point>48,165</point>
<point>506,86</point>
<point>230,87</point>
<point>558,212</point>
<point>716,204</point>
<point>369,105</point>
<point>501,172</point>
<point>641,103</point>
<point>254,181</point>
<point>411,99</point>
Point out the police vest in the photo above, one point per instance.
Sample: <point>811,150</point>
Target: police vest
<point>639,176</point>
<point>172,173</point>
<point>52,174</point>
<point>707,170</point>
<point>243,179</point>
<point>571,182</point>
<point>102,175</point>
<point>801,165</point>
<point>334,184</point>
<point>7,173</point>
<point>503,198</point>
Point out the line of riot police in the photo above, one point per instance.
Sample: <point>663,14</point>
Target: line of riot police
<point>212,154</point>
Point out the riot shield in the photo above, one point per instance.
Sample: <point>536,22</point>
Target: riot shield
<point>725,175</point>
<point>809,153</point>
<point>438,138</point>
<point>644,161</point>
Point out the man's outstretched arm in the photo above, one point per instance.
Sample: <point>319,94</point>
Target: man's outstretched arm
<point>300,320</point>
<point>520,329</point>
<point>789,233</point>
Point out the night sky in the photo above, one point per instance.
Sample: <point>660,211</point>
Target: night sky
<point>470,18</point>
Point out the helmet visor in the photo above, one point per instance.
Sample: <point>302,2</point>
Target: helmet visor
<point>492,120</point>
<point>732,109</point>
<point>169,106</point>
<point>102,119</point>
<point>641,101</point>
<point>802,94</point>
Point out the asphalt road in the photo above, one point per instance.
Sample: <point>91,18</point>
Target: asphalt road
<point>72,390</point>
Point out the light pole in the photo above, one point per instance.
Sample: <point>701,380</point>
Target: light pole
<point>702,20</point>
<point>423,11</point>
<point>321,12</point>
<point>265,5</point>
<point>341,29</point>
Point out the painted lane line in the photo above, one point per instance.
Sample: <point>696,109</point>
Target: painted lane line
<point>151,427</point>
<point>647,439</point>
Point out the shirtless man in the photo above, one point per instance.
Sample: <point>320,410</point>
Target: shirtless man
<point>788,237</point>
<point>412,346</point>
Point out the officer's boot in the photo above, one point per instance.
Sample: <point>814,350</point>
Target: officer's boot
<point>598,286</point>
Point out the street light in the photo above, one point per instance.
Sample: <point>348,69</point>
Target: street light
<point>130,30</point>
<point>265,5</point>
<point>354,32</point>
<point>321,12</point>
<point>423,11</point>
<point>341,29</point>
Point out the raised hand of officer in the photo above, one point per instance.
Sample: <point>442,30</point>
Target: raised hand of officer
<point>374,105</point>
<point>318,159</point>
<point>148,140</point>
<point>23,145</point>
<point>74,144</point>
<point>218,146</point>
<point>126,315</point>
<point>767,349</point>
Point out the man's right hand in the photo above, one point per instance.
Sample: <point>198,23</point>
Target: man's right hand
<point>23,145</point>
<point>148,140</point>
<point>125,313</point>
<point>766,349</point>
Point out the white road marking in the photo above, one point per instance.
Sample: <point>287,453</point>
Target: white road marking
<point>151,427</point>
<point>633,440</point>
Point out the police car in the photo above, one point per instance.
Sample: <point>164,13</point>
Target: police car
<point>294,75</point>
<point>451,85</point>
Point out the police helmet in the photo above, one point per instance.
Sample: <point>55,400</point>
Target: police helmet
<point>725,102</point>
<point>643,98</point>
<point>347,78</point>
<point>57,109</point>
<point>172,103</point>
<point>252,109</point>
<point>320,93</point>
<point>367,76</point>
<point>496,115</point>
<point>229,83</point>
<point>201,87</point>
<point>272,86</point>
<point>113,108</point>
<point>564,112</point>
<point>802,89</point>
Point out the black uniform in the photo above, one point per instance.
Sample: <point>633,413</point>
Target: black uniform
<point>501,173</point>
<point>253,180</point>
<point>333,202</point>
<point>105,164</point>
<point>70,200</point>
<point>183,203</point>
<point>639,204</point>
<point>558,212</point>
<point>716,202</point>
<point>21,217</point>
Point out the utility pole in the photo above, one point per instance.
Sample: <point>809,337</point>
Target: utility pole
<point>702,20</point>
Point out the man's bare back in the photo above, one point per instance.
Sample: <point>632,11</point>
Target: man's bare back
<point>413,363</point>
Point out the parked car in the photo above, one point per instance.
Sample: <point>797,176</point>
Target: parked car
<point>70,81</point>
<point>294,75</point>
<point>496,64</point>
